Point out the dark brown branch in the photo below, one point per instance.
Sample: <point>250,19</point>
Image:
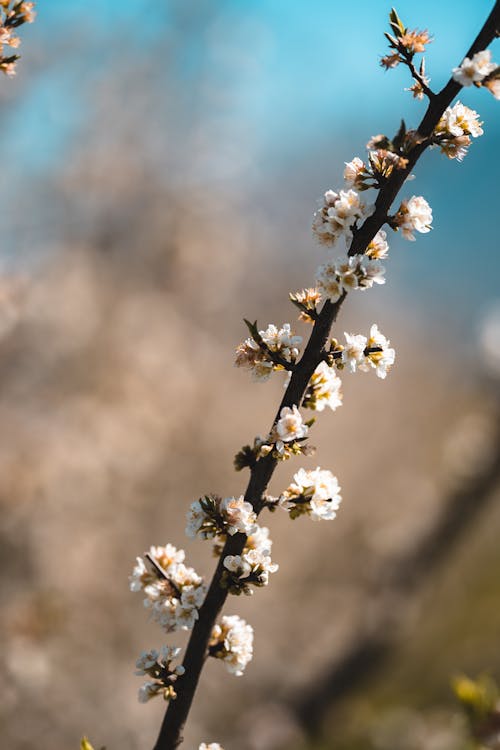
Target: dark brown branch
<point>170,735</point>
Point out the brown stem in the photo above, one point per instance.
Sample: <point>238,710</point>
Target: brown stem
<point>408,61</point>
<point>170,736</point>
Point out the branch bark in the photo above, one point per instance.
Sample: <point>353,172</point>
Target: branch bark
<point>170,736</point>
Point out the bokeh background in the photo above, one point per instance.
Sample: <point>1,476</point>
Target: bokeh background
<point>161,163</point>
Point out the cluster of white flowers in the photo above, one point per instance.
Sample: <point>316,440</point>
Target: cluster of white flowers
<point>355,272</point>
<point>476,70</point>
<point>259,539</point>
<point>314,493</point>
<point>157,664</point>
<point>338,214</point>
<point>211,746</point>
<point>280,341</point>
<point>251,567</point>
<point>174,592</point>
<point>212,516</point>
<point>413,215</point>
<point>149,690</point>
<point>460,120</point>
<point>307,301</point>
<point>324,389</point>
<point>289,427</point>
<point>356,354</point>
<point>149,659</point>
<point>454,129</point>
<point>357,175</point>
<point>378,249</point>
<point>232,641</point>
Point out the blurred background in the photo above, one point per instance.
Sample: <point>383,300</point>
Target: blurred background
<point>161,164</point>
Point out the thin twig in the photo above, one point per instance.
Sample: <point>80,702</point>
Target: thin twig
<point>408,61</point>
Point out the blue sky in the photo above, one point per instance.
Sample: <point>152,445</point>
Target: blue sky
<point>296,84</point>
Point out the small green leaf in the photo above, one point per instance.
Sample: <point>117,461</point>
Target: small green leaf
<point>396,23</point>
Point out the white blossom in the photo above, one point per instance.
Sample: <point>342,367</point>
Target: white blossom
<point>328,282</point>
<point>232,641</point>
<point>148,690</point>
<point>353,170</point>
<point>146,660</point>
<point>414,214</point>
<point>238,515</point>
<point>238,565</point>
<point>378,248</point>
<point>356,354</point>
<point>323,389</point>
<point>211,746</point>
<point>212,516</point>
<point>381,361</point>
<point>253,566</point>
<point>474,70</point>
<point>460,120</point>
<point>260,540</point>
<point>174,593</point>
<point>455,128</point>
<point>281,341</point>
<point>347,274</point>
<point>338,214</point>
<point>314,492</point>
<point>353,353</point>
<point>369,271</point>
<point>289,426</point>
<point>196,518</point>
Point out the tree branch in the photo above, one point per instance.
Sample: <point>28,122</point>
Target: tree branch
<point>170,735</point>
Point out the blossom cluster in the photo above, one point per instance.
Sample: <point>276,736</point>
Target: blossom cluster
<point>378,248</point>
<point>368,353</point>
<point>212,516</point>
<point>157,664</point>
<point>252,567</point>
<point>324,389</point>
<point>173,591</point>
<point>268,350</point>
<point>455,128</point>
<point>414,215</point>
<point>314,493</point>
<point>211,746</point>
<point>12,15</point>
<point>338,215</point>
<point>381,164</point>
<point>287,438</point>
<point>307,301</point>
<point>232,641</point>
<point>334,279</point>
<point>479,70</point>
